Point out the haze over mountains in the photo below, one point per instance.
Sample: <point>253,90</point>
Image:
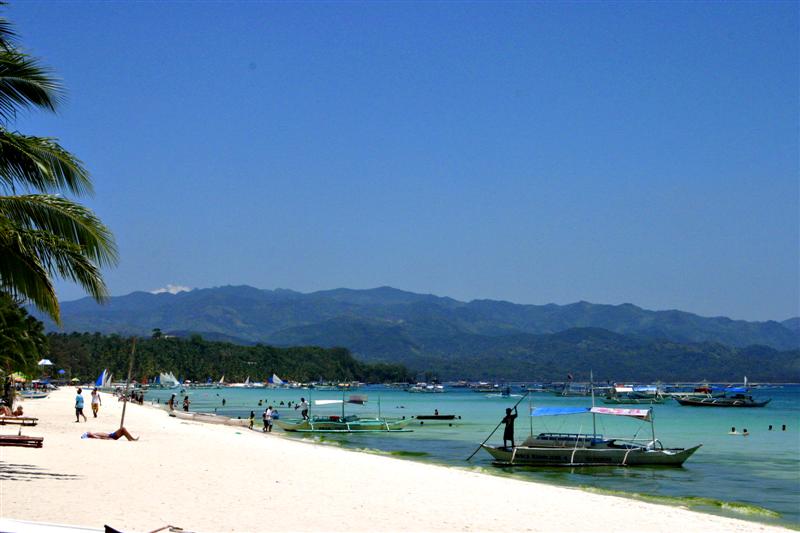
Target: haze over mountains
<point>454,338</point>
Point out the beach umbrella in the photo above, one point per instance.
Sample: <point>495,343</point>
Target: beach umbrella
<point>45,362</point>
<point>18,377</point>
<point>62,371</point>
<point>74,380</point>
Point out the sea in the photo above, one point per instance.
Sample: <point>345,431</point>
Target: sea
<point>754,477</point>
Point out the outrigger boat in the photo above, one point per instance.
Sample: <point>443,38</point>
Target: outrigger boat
<point>578,449</point>
<point>342,423</point>
<point>634,396</point>
<point>210,418</point>
<point>737,400</point>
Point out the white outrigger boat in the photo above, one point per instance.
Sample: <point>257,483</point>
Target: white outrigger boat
<point>210,418</point>
<point>580,449</point>
<point>342,423</point>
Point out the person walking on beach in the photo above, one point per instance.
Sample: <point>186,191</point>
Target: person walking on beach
<point>95,402</point>
<point>79,407</point>
<point>252,419</point>
<point>508,432</point>
<point>186,403</point>
<point>171,402</point>
<point>303,408</point>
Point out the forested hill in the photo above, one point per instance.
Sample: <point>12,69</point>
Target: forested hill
<point>248,315</point>
<point>86,355</point>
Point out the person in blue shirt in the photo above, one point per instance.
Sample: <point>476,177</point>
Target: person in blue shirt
<point>79,407</point>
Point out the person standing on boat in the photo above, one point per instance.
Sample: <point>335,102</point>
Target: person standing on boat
<point>79,407</point>
<point>303,408</point>
<point>508,432</point>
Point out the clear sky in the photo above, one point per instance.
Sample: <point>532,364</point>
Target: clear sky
<point>532,152</point>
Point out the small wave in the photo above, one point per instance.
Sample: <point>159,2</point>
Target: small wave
<point>408,453</point>
<point>692,502</point>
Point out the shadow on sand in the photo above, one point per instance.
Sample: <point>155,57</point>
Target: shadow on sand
<point>22,472</point>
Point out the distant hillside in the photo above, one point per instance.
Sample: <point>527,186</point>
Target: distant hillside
<point>792,324</point>
<point>284,316</point>
<point>610,355</point>
<point>452,339</point>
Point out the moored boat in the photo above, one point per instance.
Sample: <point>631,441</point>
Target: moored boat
<point>579,449</point>
<point>341,423</point>
<point>737,400</point>
<point>210,418</point>
<point>634,396</point>
<point>436,417</point>
<point>33,395</point>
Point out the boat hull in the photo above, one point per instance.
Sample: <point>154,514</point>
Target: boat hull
<point>720,402</point>
<point>210,418</point>
<point>436,417</point>
<point>342,425</point>
<point>633,401</point>
<point>558,456</point>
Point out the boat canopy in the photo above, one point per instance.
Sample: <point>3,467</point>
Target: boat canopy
<point>730,389</point>
<point>359,399</point>
<point>641,414</point>
<point>556,411</point>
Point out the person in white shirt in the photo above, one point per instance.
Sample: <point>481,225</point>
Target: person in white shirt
<point>267,419</point>
<point>303,408</point>
<point>96,403</point>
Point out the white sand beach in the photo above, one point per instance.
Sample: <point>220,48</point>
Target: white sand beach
<point>206,478</point>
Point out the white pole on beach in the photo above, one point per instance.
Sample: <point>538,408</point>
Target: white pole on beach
<point>127,384</point>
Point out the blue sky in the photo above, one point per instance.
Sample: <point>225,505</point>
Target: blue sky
<point>532,152</point>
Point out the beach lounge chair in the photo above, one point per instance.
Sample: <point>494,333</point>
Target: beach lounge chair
<point>18,420</point>
<point>21,440</point>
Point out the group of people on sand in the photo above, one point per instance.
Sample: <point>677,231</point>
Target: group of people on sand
<point>96,402</point>
<point>186,403</point>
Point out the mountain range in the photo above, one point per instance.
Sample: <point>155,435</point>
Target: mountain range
<point>448,336</point>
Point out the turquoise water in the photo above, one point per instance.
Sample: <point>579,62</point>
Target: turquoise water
<point>755,477</point>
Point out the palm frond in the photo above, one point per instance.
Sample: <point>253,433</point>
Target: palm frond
<point>7,33</point>
<point>25,84</point>
<point>66,220</point>
<point>22,274</point>
<point>40,163</point>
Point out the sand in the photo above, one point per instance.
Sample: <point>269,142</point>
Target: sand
<point>206,478</point>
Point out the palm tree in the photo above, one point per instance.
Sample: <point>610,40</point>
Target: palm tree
<point>42,234</point>
<point>22,343</point>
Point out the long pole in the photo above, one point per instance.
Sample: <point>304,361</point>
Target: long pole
<point>127,384</point>
<point>594,418</point>
<point>530,410</point>
<point>495,428</point>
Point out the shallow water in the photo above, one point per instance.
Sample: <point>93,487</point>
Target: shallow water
<point>756,477</point>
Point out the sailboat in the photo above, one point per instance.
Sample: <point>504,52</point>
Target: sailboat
<point>168,380</point>
<point>344,423</point>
